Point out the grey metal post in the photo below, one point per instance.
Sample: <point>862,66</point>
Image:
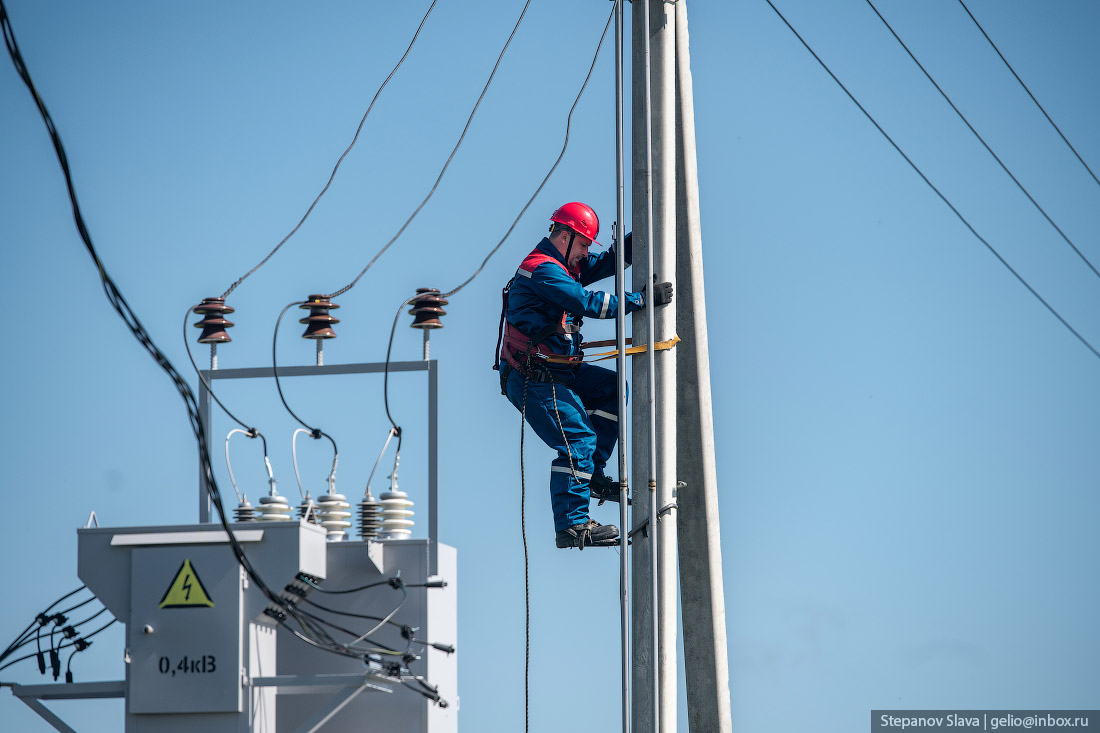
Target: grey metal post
<point>701,587</point>
<point>663,74</point>
<point>433,466</point>
<point>204,418</point>
<point>621,362</point>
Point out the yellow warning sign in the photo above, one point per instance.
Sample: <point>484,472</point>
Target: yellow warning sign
<point>186,590</point>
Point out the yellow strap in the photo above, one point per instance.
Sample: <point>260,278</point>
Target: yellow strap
<point>603,356</point>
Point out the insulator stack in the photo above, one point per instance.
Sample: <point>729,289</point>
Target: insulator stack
<point>369,521</point>
<point>244,511</point>
<point>319,323</point>
<point>213,325</point>
<point>307,510</point>
<point>334,514</point>
<point>397,515</point>
<point>427,308</point>
<point>273,508</point>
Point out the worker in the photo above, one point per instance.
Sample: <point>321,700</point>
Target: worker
<point>572,406</point>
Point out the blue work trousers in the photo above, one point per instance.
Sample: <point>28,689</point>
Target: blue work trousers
<point>587,407</point>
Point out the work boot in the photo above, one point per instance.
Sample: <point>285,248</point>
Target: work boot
<point>604,489</point>
<point>590,533</point>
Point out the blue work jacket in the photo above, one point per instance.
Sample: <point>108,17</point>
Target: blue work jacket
<point>544,293</point>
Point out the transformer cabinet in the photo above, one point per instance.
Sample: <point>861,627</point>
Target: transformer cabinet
<point>202,654</point>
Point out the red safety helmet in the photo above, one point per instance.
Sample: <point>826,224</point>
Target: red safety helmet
<point>580,218</point>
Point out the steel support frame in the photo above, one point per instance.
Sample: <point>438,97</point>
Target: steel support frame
<point>349,686</point>
<point>429,366</point>
<point>33,695</point>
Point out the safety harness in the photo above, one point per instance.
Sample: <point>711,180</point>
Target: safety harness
<point>525,353</point>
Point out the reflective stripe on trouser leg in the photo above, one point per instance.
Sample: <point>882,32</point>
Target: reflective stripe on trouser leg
<point>569,495</point>
<point>597,389</point>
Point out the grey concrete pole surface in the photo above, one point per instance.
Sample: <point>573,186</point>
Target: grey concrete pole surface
<point>701,588</point>
<point>662,153</point>
<point>644,633</point>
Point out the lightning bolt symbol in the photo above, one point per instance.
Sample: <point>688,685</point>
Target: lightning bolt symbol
<point>187,587</point>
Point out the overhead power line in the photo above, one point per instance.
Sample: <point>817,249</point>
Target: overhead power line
<point>338,162</point>
<point>939,193</point>
<point>985,144</point>
<point>554,167</point>
<point>282,608</point>
<point>446,165</point>
<point>1033,99</point>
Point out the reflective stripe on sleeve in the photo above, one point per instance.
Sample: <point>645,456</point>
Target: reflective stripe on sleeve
<point>604,415</point>
<point>606,303</point>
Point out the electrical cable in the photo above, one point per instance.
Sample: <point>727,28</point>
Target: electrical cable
<point>315,433</point>
<point>389,436</point>
<point>554,167</point>
<point>63,646</point>
<point>446,165</point>
<point>251,432</point>
<point>118,302</point>
<point>943,198</point>
<point>386,619</point>
<point>326,609</point>
<point>396,429</point>
<point>68,632</point>
<point>515,222</point>
<point>382,648</point>
<point>24,637</point>
<point>1033,99</point>
<point>137,329</point>
<point>393,582</point>
<point>340,160</point>
<point>406,631</point>
<point>205,383</point>
<point>985,144</point>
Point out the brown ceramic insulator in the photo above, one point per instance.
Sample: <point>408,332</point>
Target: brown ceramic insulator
<point>212,324</point>
<point>319,323</point>
<point>427,308</point>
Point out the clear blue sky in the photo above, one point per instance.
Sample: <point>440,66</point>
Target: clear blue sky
<point>906,437</point>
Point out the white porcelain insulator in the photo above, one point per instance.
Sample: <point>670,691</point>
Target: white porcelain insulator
<point>397,515</point>
<point>273,508</point>
<point>334,514</point>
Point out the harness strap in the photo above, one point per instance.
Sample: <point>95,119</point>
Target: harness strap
<point>500,329</point>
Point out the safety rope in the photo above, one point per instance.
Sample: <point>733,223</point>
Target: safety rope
<point>561,427</point>
<point>526,561</point>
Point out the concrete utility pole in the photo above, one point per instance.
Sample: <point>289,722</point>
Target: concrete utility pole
<point>654,549</point>
<point>708,679</point>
